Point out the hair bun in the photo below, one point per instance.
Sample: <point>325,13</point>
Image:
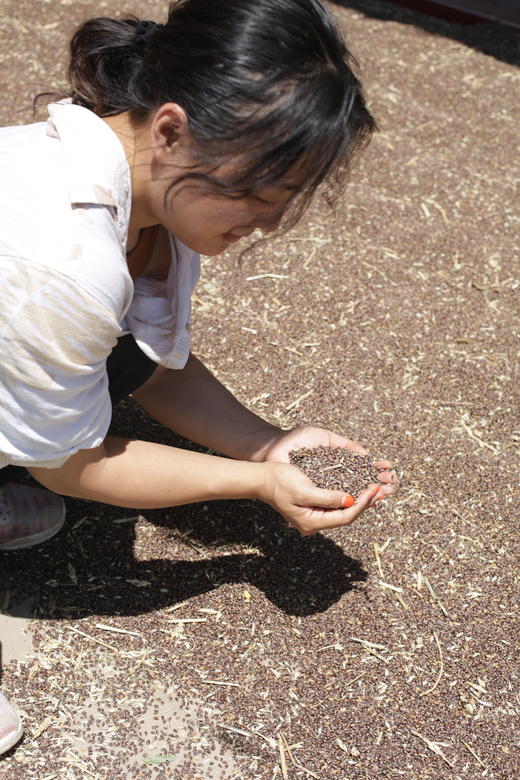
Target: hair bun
<point>143,30</point>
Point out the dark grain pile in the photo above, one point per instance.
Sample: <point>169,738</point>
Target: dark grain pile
<point>382,651</point>
<point>336,468</point>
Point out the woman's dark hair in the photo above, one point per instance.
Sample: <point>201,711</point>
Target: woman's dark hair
<point>265,83</point>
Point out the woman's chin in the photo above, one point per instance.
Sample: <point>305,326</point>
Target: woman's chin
<point>230,238</point>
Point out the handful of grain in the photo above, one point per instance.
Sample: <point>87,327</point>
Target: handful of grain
<point>336,468</point>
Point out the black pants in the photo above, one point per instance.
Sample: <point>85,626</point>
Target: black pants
<point>127,368</point>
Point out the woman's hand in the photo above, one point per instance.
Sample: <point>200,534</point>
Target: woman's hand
<point>307,437</point>
<point>279,450</point>
<point>309,508</point>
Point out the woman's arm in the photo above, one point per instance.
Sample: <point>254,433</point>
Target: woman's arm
<point>146,475</point>
<point>133,473</point>
<point>193,403</point>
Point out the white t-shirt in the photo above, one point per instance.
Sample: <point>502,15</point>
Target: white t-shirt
<point>66,294</point>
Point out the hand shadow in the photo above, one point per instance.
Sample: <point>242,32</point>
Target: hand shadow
<point>91,566</point>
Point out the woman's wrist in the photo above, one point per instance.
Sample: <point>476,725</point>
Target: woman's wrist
<point>258,442</point>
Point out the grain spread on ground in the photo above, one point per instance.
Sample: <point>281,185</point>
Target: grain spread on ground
<point>386,650</point>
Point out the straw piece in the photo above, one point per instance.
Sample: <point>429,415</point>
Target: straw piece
<point>441,667</point>
<point>283,763</point>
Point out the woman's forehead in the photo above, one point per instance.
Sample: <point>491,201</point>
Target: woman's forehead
<point>295,179</point>
<point>238,175</point>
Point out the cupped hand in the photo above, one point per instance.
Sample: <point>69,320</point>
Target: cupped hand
<point>309,508</point>
<point>297,438</point>
<point>310,437</point>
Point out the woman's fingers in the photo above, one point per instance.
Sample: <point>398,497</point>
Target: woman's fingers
<point>310,508</point>
<point>388,479</point>
<point>334,499</point>
<point>331,512</point>
<point>325,499</point>
<point>383,464</point>
<point>389,484</point>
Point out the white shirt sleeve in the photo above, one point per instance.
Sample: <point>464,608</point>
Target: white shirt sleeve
<point>159,316</point>
<point>54,341</point>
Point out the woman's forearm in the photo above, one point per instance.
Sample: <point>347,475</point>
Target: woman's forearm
<point>142,474</point>
<point>193,403</point>
<point>146,475</point>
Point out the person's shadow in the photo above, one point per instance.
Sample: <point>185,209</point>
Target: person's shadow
<point>90,567</point>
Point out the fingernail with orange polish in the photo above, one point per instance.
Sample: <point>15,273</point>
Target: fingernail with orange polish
<point>349,501</point>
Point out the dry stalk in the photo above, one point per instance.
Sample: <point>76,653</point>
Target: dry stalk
<point>435,597</point>
<point>331,468</point>
<point>298,401</point>
<point>283,763</point>
<point>376,654</point>
<point>441,667</point>
<point>289,349</point>
<point>439,208</point>
<point>381,273</point>
<point>242,732</point>
<point>366,643</point>
<point>396,593</point>
<point>93,639</point>
<point>371,647</point>
<point>307,771</point>
<point>288,749</point>
<point>377,554</point>
<point>482,764</point>
<point>270,741</point>
<point>355,679</point>
<point>176,607</point>
<point>434,747</point>
<point>308,260</point>
<point>44,725</point>
<point>116,630</point>
<point>266,276</point>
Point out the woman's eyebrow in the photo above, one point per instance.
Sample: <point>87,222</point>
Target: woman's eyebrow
<point>282,185</point>
<point>292,186</point>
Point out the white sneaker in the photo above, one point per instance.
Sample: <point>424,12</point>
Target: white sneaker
<point>28,516</point>
<point>11,728</point>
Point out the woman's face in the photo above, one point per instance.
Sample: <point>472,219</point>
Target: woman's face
<point>200,217</point>
<point>209,223</point>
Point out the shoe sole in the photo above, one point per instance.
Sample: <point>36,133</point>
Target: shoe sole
<point>34,539</point>
<point>10,741</point>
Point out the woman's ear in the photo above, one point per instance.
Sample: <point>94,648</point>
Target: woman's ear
<point>168,131</point>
